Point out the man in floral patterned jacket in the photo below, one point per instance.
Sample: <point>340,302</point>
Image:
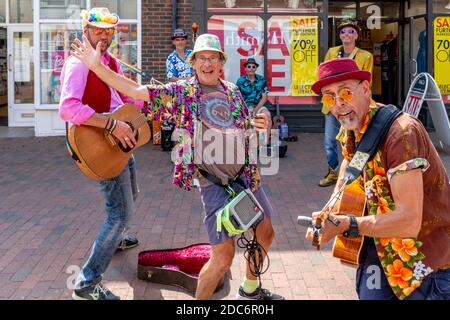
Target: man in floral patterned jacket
<point>205,104</point>
<point>407,225</point>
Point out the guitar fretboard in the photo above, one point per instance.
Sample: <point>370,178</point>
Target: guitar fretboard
<point>139,121</point>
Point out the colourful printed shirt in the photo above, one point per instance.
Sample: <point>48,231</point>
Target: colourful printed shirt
<point>177,67</point>
<point>252,91</point>
<point>407,261</point>
<point>178,103</point>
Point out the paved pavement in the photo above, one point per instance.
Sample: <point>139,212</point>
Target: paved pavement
<point>50,215</point>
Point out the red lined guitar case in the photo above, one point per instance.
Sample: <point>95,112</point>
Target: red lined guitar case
<point>177,267</point>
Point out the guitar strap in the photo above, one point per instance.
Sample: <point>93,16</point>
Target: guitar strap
<point>371,141</point>
<point>69,148</point>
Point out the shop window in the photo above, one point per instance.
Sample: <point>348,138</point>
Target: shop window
<point>293,57</point>
<point>19,11</point>
<point>2,11</point>
<point>124,9</point>
<point>235,5</point>
<point>342,9</point>
<point>441,6</point>
<point>241,37</point>
<point>61,9</point>
<point>385,10</point>
<point>55,40</point>
<point>125,46</point>
<point>295,5</point>
<point>415,8</point>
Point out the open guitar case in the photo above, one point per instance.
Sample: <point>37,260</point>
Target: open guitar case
<point>176,267</point>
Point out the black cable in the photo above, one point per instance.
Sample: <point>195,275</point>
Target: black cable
<point>254,254</point>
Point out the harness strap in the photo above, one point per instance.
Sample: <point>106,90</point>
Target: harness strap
<point>371,141</point>
<point>237,178</point>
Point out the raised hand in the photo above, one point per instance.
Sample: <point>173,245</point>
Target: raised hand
<point>86,53</point>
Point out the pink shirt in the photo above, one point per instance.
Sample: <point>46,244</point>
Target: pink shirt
<point>73,83</point>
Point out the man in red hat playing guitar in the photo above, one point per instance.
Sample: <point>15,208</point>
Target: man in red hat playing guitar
<point>407,222</point>
<point>84,97</point>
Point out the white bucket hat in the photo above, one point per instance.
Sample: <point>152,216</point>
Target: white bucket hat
<point>206,42</point>
<point>99,17</point>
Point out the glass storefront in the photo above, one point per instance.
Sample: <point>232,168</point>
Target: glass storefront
<point>125,9</point>
<point>441,6</point>
<point>242,36</point>
<point>282,35</point>
<point>21,11</point>
<point>2,11</point>
<point>216,5</point>
<point>295,5</point>
<point>292,37</point>
<point>267,30</point>
<point>55,39</point>
<point>61,9</point>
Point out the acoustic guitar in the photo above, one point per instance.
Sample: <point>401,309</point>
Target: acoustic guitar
<point>98,154</point>
<point>352,201</point>
<point>278,119</point>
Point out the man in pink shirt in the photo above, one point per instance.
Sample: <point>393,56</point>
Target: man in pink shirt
<point>84,99</point>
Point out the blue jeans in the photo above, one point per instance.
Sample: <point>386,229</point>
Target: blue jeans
<point>332,126</point>
<point>119,194</point>
<point>370,286</point>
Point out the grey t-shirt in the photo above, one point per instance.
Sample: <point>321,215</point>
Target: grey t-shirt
<point>218,145</point>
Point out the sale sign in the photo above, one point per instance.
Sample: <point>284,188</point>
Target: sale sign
<point>441,40</point>
<point>304,53</point>
<point>243,37</point>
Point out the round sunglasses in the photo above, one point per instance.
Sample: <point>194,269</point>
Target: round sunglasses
<point>349,31</point>
<point>345,94</point>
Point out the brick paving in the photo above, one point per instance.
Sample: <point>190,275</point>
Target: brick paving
<point>50,215</point>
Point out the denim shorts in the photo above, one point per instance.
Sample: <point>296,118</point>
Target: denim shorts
<point>215,197</point>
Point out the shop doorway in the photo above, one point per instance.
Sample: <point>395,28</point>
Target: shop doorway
<point>383,44</point>
<point>3,78</point>
<point>20,66</point>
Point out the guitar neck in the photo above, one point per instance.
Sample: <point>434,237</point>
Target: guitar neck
<point>139,121</point>
<point>278,105</point>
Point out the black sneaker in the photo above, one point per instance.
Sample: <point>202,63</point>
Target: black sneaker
<point>127,242</point>
<point>258,294</point>
<point>94,292</point>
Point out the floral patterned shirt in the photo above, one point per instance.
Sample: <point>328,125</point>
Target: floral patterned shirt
<point>252,91</point>
<point>177,67</point>
<point>177,103</point>
<point>407,261</point>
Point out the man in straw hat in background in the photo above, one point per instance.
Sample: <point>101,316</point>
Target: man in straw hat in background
<point>177,66</point>
<point>348,33</point>
<point>84,97</point>
<point>207,104</point>
<point>407,243</point>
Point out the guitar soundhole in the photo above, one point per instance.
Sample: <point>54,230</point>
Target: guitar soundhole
<point>136,137</point>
